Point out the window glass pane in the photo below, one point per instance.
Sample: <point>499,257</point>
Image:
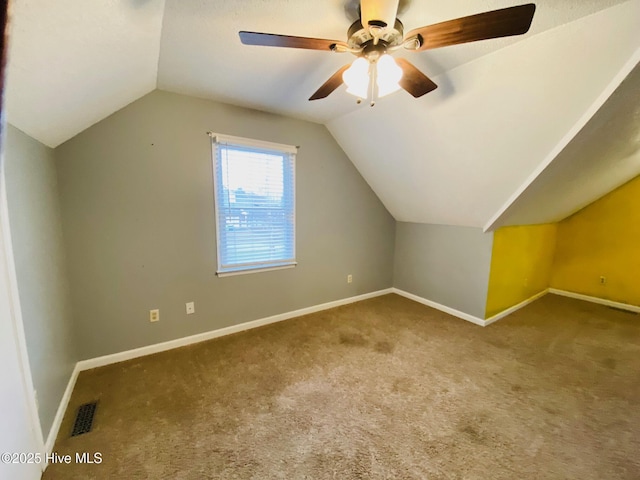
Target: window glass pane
<point>253,174</point>
<point>254,207</point>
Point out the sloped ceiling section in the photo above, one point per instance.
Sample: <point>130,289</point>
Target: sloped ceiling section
<point>74,62</point>
<point>458,154</point>
<point>604,155</point>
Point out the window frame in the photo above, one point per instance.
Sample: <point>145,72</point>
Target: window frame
<point>248,143</point>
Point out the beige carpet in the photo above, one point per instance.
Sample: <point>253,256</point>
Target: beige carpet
<point>383,389</point>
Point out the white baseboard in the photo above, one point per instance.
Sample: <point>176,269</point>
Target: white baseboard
<point>438,306</point>
<point>466,316</point>
<point>510,310</point>
<point>601,301</point>
<point>62,408</point>
<point>201,337</point>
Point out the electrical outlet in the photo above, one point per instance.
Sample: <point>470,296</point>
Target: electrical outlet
<point>349,278</point>
<point>154,315</point>
<point>603,280</point>
<point>191,308</point>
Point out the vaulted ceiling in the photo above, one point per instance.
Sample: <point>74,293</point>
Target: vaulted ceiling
<point>485,149</point>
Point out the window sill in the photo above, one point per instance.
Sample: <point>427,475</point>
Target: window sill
<point>230,273</point>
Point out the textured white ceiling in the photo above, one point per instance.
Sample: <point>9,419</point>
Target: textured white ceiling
<point>456,156</point>
<point>606,149</point>
<point>74,62</point>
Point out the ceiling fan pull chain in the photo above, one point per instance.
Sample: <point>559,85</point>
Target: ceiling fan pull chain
<point>373,68</point>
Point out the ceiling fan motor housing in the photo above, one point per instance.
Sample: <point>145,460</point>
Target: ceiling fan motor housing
<point>359,35</point>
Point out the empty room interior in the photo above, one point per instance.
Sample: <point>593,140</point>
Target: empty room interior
<point>321,240</point>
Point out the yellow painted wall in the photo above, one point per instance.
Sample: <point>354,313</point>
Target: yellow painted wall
<point>521,263</point>
<point>602,239</point>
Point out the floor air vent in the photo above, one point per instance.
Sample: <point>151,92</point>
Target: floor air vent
<point>84,419</point>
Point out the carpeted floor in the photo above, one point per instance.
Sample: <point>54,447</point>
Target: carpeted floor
<point>382,389</point>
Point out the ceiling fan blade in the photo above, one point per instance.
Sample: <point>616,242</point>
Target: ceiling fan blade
<point>379,10</point>
<point>413,80</point>
<point>330,85</point>
<point>275,40</point>
<point>497,23</point>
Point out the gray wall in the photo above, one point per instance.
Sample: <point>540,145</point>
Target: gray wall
<point>137,202</point>
<point>445,264</point>
<point>36,234</point>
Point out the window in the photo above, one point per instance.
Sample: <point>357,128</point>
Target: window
<point>254,185</point>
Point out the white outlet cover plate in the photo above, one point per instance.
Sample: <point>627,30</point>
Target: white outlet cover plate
<point>191,308</point>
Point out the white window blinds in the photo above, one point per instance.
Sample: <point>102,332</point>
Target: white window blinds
<point>254,186</point>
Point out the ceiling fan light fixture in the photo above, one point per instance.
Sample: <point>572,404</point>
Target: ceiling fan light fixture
<point>388,75</point>
<point>356,78</point>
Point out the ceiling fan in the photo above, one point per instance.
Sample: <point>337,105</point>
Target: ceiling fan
<point>378,33</point>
